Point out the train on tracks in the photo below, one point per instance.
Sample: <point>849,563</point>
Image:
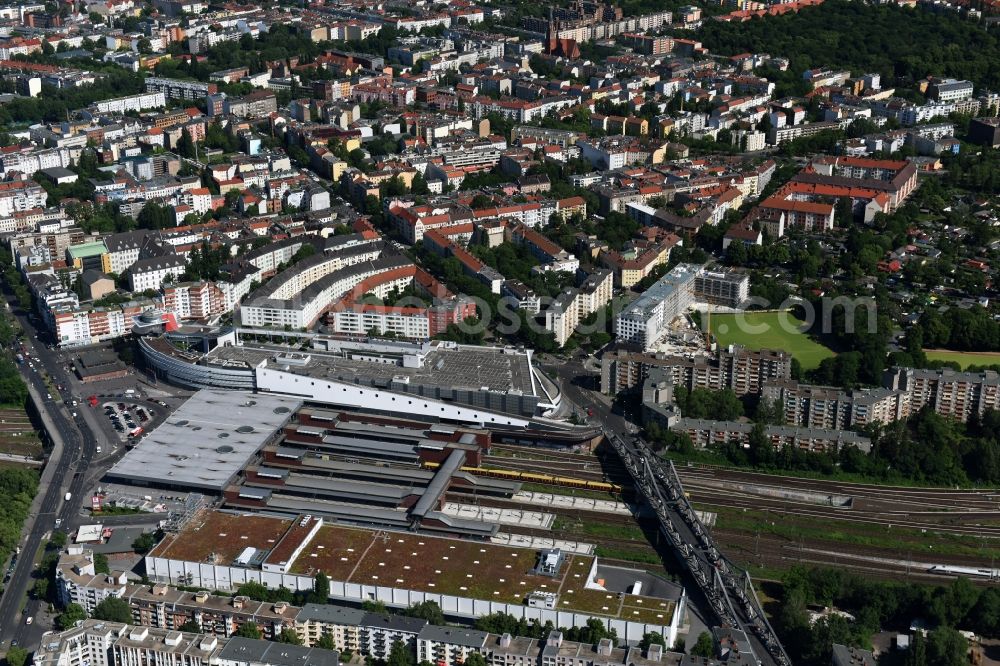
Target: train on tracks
<point>970,572</point>
<point>535,477</point>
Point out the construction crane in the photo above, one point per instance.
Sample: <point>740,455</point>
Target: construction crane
<point>708,327</point>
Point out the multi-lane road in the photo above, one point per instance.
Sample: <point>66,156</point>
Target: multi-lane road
<point>73,449</point>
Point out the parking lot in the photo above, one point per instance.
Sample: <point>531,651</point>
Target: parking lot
<point>130,419</point>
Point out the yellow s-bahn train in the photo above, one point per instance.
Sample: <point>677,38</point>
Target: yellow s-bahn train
<point>535,477</point>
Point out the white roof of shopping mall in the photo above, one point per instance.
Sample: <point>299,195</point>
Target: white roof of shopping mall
<point>207,441</point>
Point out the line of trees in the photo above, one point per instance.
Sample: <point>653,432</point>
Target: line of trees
<point>18,486</point>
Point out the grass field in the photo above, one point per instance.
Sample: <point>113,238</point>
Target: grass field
<point>768,330</point>
<point>964,359</point>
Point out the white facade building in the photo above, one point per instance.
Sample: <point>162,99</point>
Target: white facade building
<point>150,273</point>
<point>140,102</point>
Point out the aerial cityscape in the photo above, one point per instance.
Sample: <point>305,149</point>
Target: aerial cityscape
<point>500,333</point>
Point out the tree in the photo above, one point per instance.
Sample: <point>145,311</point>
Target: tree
<point>17,656</point>
<point>101,565</point>
<point>419,184</point>
<point>58,540</point>
<point>326,642</point>
<point>917,654</point>
<point>72,614</point>
<point>321,588</point>
<point>190,627</point>
<point>399,655</point>
<point>704,647</point>
<point>427,610</point>
<point>652,638</point>
<point>113,609</point>
<point>144,543</point>
<point>761,451</point>
<point>40,589</point>
<point>155,216</point>
<point>947,647</point>
<point>248,630</point>
<point>373,606</point>
<point>475,659</point>
<point>298,155</point>
<point>986,613</point>
<point>481,201</point>
<point>288,636</point>
<point>185,145</point>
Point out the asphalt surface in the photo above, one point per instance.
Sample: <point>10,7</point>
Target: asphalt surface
<point>73,449</point>
<point>579,379</point>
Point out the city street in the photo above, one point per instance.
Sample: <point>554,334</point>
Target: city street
<point>579,379</point>
<point>73,449</point>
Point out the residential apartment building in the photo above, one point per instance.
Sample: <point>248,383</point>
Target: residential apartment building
<point>897,178</point>
<point>140,102</point>
<point>449,646</point>
<point>84,325</point>
<point>639,258</point>
<point>298,296</point>
<point>77,582</point>
<point>257,104</point>
<point>159,610</point>
<point>550,254</point>
<point>341,623</point>
<point>828,407</point>
<point>950,90</point>
<point>738,369</point>
<point>194,300</point>
<point>152,272</point>
<point>574,304</point>
<point>779,135</point>
<point>414,323</point>
<point>20,196</point>
<point>645,320</point>
<point>102,643</point>
<point>177,89</point>
<point>728,288</point>
<point>30,161</point>
<point>949,393</point>
<point>705,433</point>
<point>381,631</point>
<point>122,251</point>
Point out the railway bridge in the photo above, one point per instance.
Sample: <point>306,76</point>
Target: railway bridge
<point>726,587</point>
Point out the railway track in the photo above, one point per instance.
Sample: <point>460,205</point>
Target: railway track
<point>878,495</point>
<point>947,523</point>
<point>905,507</point>
<point>933,510</point>
<point>591,473</point>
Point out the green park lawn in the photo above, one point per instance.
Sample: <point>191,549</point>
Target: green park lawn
<point>730,329</point>
<point>964,359</point>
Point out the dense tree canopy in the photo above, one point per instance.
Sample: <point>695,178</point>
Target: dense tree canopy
<point>113,609</point>
<point>17,487</point>
<point>900,44</point>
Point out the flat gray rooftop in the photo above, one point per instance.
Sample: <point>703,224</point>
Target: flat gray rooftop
<point>463,367</point>
<point>249,651</point>
<point>207,441</point>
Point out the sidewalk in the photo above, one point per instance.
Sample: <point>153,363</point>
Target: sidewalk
<point>24,460</point>
<point>51,465</point>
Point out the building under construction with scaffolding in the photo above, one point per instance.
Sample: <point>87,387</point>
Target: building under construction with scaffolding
<point>646,320</point>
